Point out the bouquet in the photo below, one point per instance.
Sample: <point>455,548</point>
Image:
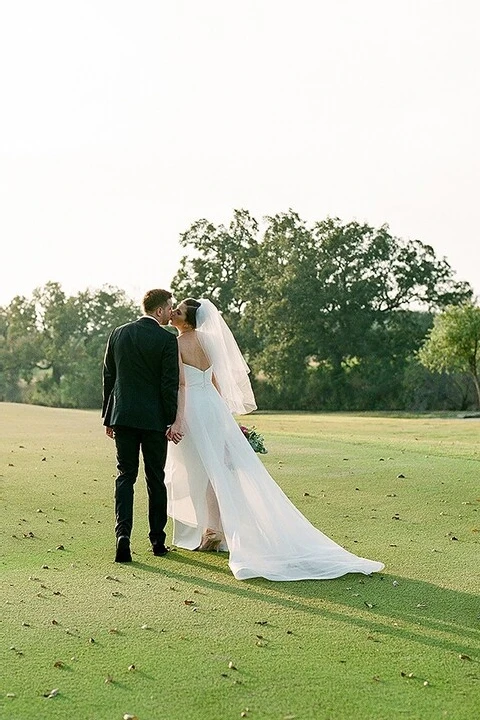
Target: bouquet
<point>254,438</point>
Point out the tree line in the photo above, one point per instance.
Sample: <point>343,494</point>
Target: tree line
<point>332,316</point>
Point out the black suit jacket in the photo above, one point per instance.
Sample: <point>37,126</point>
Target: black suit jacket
<point>140,376</point>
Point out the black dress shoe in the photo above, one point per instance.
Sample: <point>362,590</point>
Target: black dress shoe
<point>159,549</point>
<point>123,553</point>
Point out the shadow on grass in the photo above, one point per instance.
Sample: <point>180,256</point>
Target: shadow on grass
<point>436,617</point>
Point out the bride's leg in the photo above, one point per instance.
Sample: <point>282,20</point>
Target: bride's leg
<point>213,535</point>
<point>213,511</point>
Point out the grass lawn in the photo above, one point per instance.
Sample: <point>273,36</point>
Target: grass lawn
<point>178,638</point>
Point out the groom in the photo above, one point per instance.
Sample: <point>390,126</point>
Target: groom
<point>140,387</point>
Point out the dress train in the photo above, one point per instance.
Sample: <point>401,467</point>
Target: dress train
<point>216,482</point>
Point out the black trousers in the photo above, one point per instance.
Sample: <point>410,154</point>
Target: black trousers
<point>128,442</point>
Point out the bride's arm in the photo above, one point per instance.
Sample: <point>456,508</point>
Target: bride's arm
<point>215,384</point>
<point>176,432</point>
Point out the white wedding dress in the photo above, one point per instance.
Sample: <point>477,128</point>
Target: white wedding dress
<point>215,480</point>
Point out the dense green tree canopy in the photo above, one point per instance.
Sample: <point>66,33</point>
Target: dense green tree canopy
<point>332,299</point>
<point>453,343</point>
<point>52,345</point>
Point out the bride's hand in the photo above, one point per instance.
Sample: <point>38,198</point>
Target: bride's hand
<point>175,432</point>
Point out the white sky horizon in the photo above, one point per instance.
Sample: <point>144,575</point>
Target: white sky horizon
<point>124,123</point>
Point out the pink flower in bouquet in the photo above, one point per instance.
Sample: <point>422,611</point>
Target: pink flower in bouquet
<point>254,438</point>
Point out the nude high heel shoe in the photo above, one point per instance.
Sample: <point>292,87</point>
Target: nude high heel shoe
<point>211,540</point>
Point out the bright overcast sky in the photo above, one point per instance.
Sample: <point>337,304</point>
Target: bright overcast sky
<point>122,122</point>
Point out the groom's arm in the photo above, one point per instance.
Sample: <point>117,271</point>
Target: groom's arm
<point>109,375</point>
<point>176,431</point>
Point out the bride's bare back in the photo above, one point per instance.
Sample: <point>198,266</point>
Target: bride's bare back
<point>191,351</point>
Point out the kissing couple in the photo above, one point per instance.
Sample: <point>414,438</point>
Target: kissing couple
<point>186,389</point>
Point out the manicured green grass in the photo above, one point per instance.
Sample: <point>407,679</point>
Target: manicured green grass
<point>404,643</point>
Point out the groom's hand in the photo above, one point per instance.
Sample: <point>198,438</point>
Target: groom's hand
<point>109,432</point>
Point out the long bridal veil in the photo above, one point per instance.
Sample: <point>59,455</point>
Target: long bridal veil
<point>229,366</point>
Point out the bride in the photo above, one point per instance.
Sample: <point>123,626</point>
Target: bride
<point>220,495</point>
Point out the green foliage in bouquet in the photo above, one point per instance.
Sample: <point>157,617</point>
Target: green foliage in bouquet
<point>254,438</point>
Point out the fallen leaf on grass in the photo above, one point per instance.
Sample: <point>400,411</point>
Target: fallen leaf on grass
<point>128,716</point>
<point>131,667</point>
<point>231,666</point>
<point>189,602</point>
<point>108,680</point>
<point>59,664</point>
<point>462,656</point>
<point>369,605</point>
<point>53,693</point>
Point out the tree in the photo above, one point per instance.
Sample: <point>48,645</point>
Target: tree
<point>338,283</point>
<point>20,346</point>
<point>333,304</point>
<point>218,263</point>
<point>453,343</point>
<point>54,344</point>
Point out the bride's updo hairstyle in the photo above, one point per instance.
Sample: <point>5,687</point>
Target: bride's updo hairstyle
<point>191,312</point>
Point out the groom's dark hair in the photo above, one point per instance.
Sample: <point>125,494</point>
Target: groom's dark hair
<point>153,299</point>
<point>191,312</point>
